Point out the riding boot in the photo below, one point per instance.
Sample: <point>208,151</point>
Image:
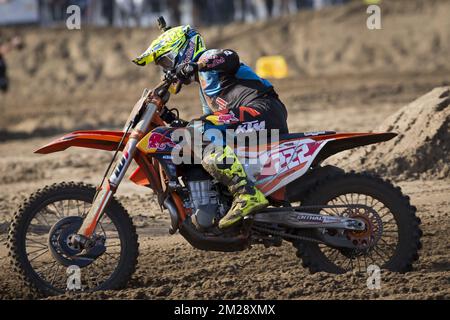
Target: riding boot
<point>225,167</point>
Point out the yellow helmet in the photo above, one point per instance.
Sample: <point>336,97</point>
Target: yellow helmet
<point>175,46</point>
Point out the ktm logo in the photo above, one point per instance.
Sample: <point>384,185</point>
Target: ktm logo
<point>251,126</point>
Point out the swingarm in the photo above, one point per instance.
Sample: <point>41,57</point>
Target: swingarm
<point>296,217</point>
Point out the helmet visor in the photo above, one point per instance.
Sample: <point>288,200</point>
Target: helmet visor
<point>167,61</point>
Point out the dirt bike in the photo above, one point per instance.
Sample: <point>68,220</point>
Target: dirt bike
<point>337,221</point>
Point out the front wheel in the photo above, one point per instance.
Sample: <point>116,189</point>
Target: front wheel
<point>393,220</point>
<point>38,233</point>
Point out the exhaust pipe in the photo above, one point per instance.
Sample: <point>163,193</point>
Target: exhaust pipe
<point>169,205</point>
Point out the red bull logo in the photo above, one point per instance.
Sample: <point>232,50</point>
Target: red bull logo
<point>227,118</point>
<point>159,142</point>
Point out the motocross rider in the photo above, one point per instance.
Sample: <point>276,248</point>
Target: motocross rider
<point>232,96</point>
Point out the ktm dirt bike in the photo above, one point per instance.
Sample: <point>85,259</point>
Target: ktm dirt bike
<point>337,221</point>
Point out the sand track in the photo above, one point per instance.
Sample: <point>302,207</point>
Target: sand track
<point>170,268</point>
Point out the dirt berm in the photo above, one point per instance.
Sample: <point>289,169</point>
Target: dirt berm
<point>422,146</point>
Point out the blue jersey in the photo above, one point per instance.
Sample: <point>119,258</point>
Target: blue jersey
<point>226,83</point>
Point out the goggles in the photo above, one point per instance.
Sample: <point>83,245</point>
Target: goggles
<point>167,61</point>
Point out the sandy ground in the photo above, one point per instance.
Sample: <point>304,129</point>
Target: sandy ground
<point>325,92</point>
<point>170,268</point>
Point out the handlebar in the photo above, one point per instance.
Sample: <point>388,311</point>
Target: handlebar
<point>161,91</point>
<point>163,87</point>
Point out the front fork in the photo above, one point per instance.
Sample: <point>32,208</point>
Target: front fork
<point>109,186</point>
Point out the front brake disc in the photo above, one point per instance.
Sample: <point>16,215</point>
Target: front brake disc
<point>61,248</point>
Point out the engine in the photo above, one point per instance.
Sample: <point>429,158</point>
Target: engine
<point>204,199</point>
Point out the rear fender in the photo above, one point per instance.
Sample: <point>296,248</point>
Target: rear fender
<point>336,143</point>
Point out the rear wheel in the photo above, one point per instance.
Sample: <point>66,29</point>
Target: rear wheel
<point>393,228</point>
<point>32,244</point>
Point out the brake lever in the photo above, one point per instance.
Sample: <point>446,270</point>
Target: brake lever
<point>172,117</point>
<point>179,123</point>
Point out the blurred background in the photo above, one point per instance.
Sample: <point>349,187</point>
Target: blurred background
<point>339,75</point>
<point>73,79</point>
<point>143,12</point>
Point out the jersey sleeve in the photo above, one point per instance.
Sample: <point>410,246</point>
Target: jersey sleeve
<point>222,60</point>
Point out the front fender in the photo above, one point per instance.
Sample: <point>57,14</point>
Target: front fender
<point>144,175</point>
<point>93,139</point>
